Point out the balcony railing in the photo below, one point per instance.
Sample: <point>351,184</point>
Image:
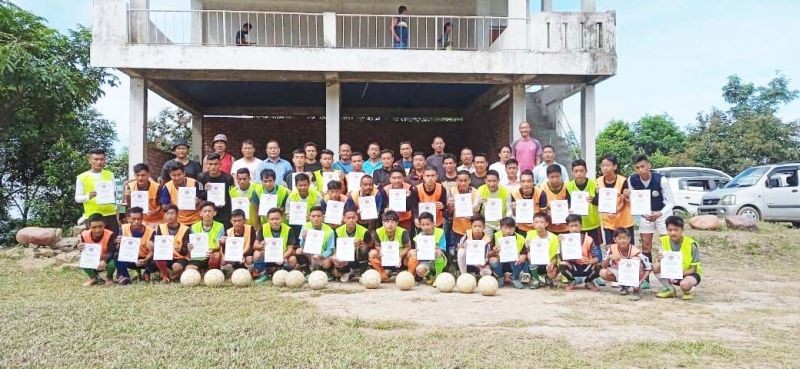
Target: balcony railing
<point>540,32</point>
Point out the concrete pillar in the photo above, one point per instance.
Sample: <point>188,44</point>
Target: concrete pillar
<point>517,30</point>
<point>588,6</point>
<point>329,29</point>
<point>547,5</point>
<point>332,107</point>
<point>197,22</point>
<point>197,138</point>
<point>137,152</point>
<point>588,130</point>
<point>518,113</point>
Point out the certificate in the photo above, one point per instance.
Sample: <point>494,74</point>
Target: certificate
<point>426,247</point>
<point>104,192</point>
<point>199,243</point>
<point>234,249</point>
<point>397,199</point>
<point>215,192</point>
<point>90,256</point>
<point>428,207</point>
<point>628,274</point>
<point>640,202</point>
<point>508,249</point>
<point>571,246</point>
<point>493,210</point>
<point>334,212</point>
<point>476,252</point>
<point>268,201</point>
<point>327,177</point>
<point>273,250</point>
<point>186,198</point>
<point>129,249</point>
<point>390,254</point>
<point>297,213</point>
<point>354,181</point>
<point>580,202</point>
<point>463,204</point>
<point>539,253</point>
<point>313,242</point>
<point>524,210</point>
<point>368,208</point>
<point>346,249</point>
<point>141,199</point>
<point>672,265</point>
<point>243,204</point>
<point>559,210</point>
<point>162,247</point>
<point>607,203</point>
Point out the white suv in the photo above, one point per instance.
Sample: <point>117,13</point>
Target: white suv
<point>689,184</point>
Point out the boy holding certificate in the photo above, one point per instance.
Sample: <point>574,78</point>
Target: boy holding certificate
<point>204,250</point>
<point>399,193</point>
<point>510,253</point>
<point>429,247</point>
<point>98,245</point>
<point>317,243</point>
<point>245,234</point>
<point>472,247</point>
<point>142,192</point>
<point>388,238</point>
<point>494,201</point>
<point>459,204</point>
<point>545,265</point>
<point>272,190</point>
<point>178,191</point>
<point>303,195</point>
<point>136,231</point>
<point>251,191</point>
<point>678,261</point>
<point>94,189</point>
<point>172,267</point>
<point>275,248</point>
<point>337,199</point>
<point>588,265</point>
<point>623,249</point>
<point>525,202</point>
<point>362,241</point>
<point>554,190</point>
<point>369,201</point>
<point>615,205</point>
<point>583,195</point>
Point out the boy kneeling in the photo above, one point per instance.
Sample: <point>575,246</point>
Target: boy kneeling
<point>588,266</point>
<point>676,241</point>
<point>620,250</point>
<point>97,234</point>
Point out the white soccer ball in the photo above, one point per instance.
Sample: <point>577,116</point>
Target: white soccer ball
<point>466,283</point>
<point>279,278</point>
<point>371,279</point>
<point>241,278</point>
<point>190,278</point>
<point>295,279</point>
<point>214,278</point>
<point>318,280</point>
<point>445,282</point>
<point>405,280</point>
<point>487,285</point>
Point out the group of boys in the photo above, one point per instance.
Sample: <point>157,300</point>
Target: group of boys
<point>418,214</point>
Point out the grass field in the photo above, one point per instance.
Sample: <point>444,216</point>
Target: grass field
<point>739,319</point>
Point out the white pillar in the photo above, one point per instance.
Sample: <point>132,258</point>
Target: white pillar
<point>547,5</point>
<point>516,31</point>
<point>137,152</point>
<point>329,29</point>
<point>332,107</point>
<point>588,130</point>
<point>518,113</point>
<point>588,5</point>
<point>197,138</point>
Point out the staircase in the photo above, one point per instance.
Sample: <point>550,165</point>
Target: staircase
<point>549,126</point>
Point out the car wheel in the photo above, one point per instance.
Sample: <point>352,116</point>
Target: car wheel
<point>750,212</point>
<point>681,212</point>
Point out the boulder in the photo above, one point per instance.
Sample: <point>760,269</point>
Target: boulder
<point>46,252</point>
<point>742,223</point>
<point>75,231</point>
<point>39,236</point>
<point>67,243</point>
<point>67,257</point>
<point>705,222</point>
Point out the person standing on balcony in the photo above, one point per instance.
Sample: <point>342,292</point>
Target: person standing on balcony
<point>540,171</point>
<point>527,150</point>
<point>220,145</point>
<point>248,159</point>
<point>400,29</point>
<point>446,39</point>
<point>243,36</point>
<point>181,150</point>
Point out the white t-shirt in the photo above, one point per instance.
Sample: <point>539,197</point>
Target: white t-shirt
<point>501,169</point>
<point>251,166</point>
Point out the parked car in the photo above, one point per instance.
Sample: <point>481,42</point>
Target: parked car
<point>688,192</point>
<point>766,192</point>
<point>686,172</point>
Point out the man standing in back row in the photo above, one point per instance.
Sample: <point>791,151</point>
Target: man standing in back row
<point>527,150</point>
<point>86,190</point>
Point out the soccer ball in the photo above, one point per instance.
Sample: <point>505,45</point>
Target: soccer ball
<point>487,285</point>
<point>190,277</point>
<point>214,278</point>
<point>371,279</point>
<point>295,279</point>
<point>279,278</point>
<point>405,280</point>
<point>241,278</point>
<point>466,283</point>
<point>445,282</point>
<point>318,280</point>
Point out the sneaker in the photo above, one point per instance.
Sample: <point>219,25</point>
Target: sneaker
<point>124,281</point>
<point>623,290</point>
<point>264,278</point>
<point>666,293</point>
<point>525,278</point>
<point>599,282</point>
<point>646,285</point>
<point>636,296</point>
<point>345,277</point>
<point>501,283</point>
<point>688,296</point>
<point>517,284</point>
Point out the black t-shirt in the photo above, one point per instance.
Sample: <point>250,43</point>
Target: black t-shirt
<point>192,169</point>
<point>223,213</point>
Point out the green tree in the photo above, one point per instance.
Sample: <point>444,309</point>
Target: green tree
<point>657,133</point>
<point>170,126</point>
<point>617,139</point>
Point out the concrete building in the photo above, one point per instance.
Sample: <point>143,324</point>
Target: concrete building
<point>327,70</point>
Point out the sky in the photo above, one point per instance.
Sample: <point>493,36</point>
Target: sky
<point>673,56</point>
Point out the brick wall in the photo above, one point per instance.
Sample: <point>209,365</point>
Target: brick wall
<point>156,159</point>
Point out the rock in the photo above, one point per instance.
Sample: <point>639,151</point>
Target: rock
<point>39,236</point>
<point>76,230</point>
<point>46,252</point>
<point>705,222</point>
<point>67,243</point>
<point>67,257</point>
<point>29,253</point>
<point>739,222</point>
